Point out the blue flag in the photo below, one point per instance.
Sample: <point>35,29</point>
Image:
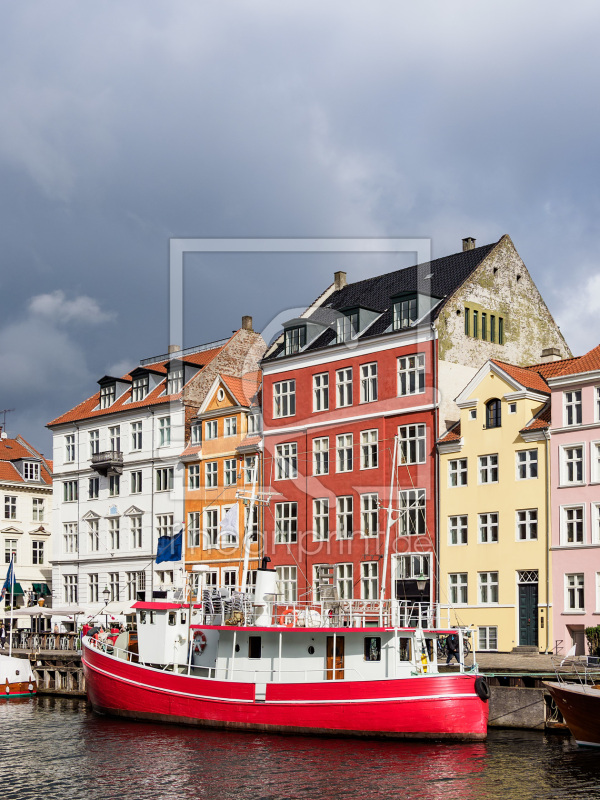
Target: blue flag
<point>9,583</point>
<point>169,548</point>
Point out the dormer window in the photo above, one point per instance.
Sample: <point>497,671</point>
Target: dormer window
<point>493,418</point>
<point>295,339</point>
<point>108,395</point>
<point>31,471</point>
<point>347,326</point>
<point>140,388</point>
<point>175,381</point>
<point>405,312</point>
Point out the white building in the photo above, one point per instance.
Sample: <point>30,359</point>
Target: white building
<point>26,487</point>
<point>119,479</point>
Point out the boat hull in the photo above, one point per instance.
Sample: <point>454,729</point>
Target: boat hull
<point>430,706</point>
<point>16,677</point>
<point>580,706</point>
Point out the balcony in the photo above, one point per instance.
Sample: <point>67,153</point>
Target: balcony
<point>109,462</point>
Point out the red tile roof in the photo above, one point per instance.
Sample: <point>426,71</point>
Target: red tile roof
<point>453,435</point>
<point>249,441</point>
<point>570,366</point>
<point>89,408</point>
<point>541,420</point>
<point>15,450</point>
<point>244,388</point>
<point>525,376</point>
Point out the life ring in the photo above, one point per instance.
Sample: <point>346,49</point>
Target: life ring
<point>199,642</point>
<point>288,618</point>
<point>482,688</point>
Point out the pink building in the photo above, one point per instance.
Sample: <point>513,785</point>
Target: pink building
<point>575,496</point>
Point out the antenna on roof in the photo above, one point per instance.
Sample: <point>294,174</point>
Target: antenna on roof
<point>4,412</point>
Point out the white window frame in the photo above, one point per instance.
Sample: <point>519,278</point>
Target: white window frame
<point>320,519</point>
<point>572,407</point>
<point>286,461</point>
<point>321,455</point>
<point>164,431</point>
<point>345,517</point>
<point>344,449</point>
<point>230,472</point>
<point>174,381</point>
<point>114,485</point>
<point>114,438</point>
<point>93,535</point>
<point>287,584</point>
<point>487,638</point>
<point>368,382</point>
<point>488,469</point>
<point>457,472</point>
<point>38,509</point>
<point>71,588</point>
<point>93,587</point>
<point>369,449</point>
<point>135,531</point>
<point>369,580</point>
<point>193,476</point>
<point>343,387</point>
<point>210,519</point>
<point>526,524</point>
<point>114,533</point>
<point>140,388</point>
<point>286,523</point>
<point>164,479</point>
<point>412,516</point>
<point>70,493</point>
<point>321,392</point>
<point>595,462</point>
<point>458,588</point>
<point>488,588</point>
<point>108,395</point>
<point>458,530</point>
<point>136,435</point>
<point>526,462</point>
<point>70,537</point>
<point>569,464</point>
<point>575,591</point>
<point>411,374</point>
<point>571,522</point>
<point>369,514</point>
<point>595,523</point>
<point>196,433</point>
<point>193,527</point>
<point>230,426</point>
<point>488,527</point>
<point>344,580</point>
<point>136,481</point>
<point>69,448</point>
<point>412,440</point>
<point>211,474</point>
<point>211,429</point>
<point>164,524</point>
<point>284,399</point>
<point>94,442</point>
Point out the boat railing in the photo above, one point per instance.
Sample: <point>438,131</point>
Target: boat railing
<point>217,610</point>
<point>581,669</point>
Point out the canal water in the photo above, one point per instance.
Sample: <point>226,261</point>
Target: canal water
<point>57,748</point>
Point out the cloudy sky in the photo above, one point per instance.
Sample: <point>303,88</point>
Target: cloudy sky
<point>126,124</point>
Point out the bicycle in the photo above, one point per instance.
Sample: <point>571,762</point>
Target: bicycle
<point>442,650</point>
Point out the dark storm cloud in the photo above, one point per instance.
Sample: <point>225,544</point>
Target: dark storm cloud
<point>125,124</point>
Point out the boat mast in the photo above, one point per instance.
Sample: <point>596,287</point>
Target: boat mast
<point>248,527</point>
<point>388,527</point>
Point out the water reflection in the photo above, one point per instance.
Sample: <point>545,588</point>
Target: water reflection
<point>58,748</point>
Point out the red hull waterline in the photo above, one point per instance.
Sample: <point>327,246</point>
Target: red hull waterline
<point>426,707</point>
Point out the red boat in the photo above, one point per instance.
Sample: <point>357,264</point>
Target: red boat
<point>349,669</point>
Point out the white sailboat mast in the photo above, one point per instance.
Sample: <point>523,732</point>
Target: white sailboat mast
<point>248,527</point>
<point>388,527</point>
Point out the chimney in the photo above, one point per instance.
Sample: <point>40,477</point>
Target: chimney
<point>174,348</point>
<point>246,323</point>
<point>550,354</point>
<point>468,244</point>
<point>339,280</point>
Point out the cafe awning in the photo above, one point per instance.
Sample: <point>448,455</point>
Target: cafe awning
<point>42,588</point>
<point>17,589</point>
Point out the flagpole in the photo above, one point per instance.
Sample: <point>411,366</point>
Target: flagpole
<point>248,528</point>
<point>12,611</point>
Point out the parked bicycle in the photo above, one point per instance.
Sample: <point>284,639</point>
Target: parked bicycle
<point>443,650</point>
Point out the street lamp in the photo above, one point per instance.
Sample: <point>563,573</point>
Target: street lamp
<point>106,598</point>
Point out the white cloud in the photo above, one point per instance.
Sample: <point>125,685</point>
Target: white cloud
<point>55,307</point>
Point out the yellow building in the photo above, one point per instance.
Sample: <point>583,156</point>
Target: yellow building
<point>494,537</point>
<point>223,446</point>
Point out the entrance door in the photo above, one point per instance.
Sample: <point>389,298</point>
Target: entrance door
<point>528,614</point>
<point>339,658</point>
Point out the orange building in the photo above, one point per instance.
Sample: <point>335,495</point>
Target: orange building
<point>224,446</point>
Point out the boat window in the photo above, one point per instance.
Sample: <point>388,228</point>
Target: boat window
<point>254,647</point>
<point>429,644</point>
<point>152,617</point>
<point>405,648</point>
<point>311,650</point>
<point>172,618</point>
<point>183,617</point>
<point>372,648</point>
<point>142,617</point>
